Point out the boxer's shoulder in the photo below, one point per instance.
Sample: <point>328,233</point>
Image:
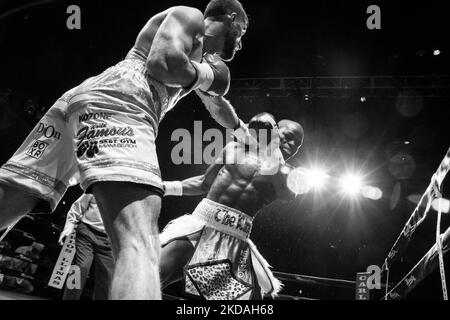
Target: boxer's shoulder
<point>187,14</point>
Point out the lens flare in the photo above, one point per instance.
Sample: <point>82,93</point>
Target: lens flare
<point>351,184</point>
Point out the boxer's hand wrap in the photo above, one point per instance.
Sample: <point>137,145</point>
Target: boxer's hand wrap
<point>213,76</point>
<point>173,188</point>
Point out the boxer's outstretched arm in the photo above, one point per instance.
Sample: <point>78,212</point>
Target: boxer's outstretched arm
<point>194,186</point>
<point>168,60</point>
<point>220,109</point>
<point>198,185</point>
<point>201,184</point>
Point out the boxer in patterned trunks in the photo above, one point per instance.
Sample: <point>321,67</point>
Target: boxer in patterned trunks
<point>102,134</point>
<point>210,249</point>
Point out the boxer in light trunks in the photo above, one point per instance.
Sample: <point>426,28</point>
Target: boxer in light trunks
<point>211,248</point>
<point>102,134</point>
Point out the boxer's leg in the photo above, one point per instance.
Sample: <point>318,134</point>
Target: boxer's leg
<point>37,175</point>
<point>130,214</point>
<point>114,135</point>
<point>14,204</point>
<point>174,256</point>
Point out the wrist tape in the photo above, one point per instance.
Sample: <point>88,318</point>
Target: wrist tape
<point>173,188</point>
<point>205,76</point>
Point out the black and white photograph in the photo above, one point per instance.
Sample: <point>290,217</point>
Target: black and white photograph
<point>241,152</point>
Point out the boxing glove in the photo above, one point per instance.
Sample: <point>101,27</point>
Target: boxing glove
<point>213,76</point>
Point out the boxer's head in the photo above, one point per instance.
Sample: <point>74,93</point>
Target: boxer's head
<point>291,137</point>
<point>227,22</point>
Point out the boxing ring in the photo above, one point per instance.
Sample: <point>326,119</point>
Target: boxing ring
<point>433,258</point>
<point>435,255</point>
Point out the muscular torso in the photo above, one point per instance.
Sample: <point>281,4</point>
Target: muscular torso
<point>240,185</point>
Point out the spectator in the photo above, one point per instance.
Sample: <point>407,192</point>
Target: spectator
<point>92,243</point>
<point>25,262</point>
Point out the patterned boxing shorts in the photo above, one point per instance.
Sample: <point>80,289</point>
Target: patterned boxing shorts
<point>102,130</point>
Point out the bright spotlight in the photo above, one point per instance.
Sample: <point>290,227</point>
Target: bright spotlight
<point>316,178</point>
<point>301,180</point>
<point>351,184</point>
<point>437,52</point>
<point>363,99</point>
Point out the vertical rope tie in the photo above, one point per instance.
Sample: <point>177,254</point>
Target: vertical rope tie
<point>387,280</point>
<point>439,250</point>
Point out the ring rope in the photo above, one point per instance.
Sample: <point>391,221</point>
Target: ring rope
<point>9,228</point>
<point>421,270</point>
<point>419,214</point>
<point>387,280</point>
<point>440,253</point>
<point>315,280</point>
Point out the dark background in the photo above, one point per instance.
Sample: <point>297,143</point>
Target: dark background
<point>317,234</point>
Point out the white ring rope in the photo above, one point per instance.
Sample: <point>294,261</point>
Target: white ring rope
<point>440,253</point>
<point>418,216</point>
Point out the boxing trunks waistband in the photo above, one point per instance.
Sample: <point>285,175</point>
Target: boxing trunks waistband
<point>224,219</point>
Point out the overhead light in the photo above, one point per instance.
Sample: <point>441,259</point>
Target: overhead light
<point>436,52</point>
<point>301,180</point>
<point>351,184</point>
<point>363,99</point>
<point>316,178</point>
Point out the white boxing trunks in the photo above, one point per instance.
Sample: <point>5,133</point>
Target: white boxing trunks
<point>226,265</point>
<point>102,130</point>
